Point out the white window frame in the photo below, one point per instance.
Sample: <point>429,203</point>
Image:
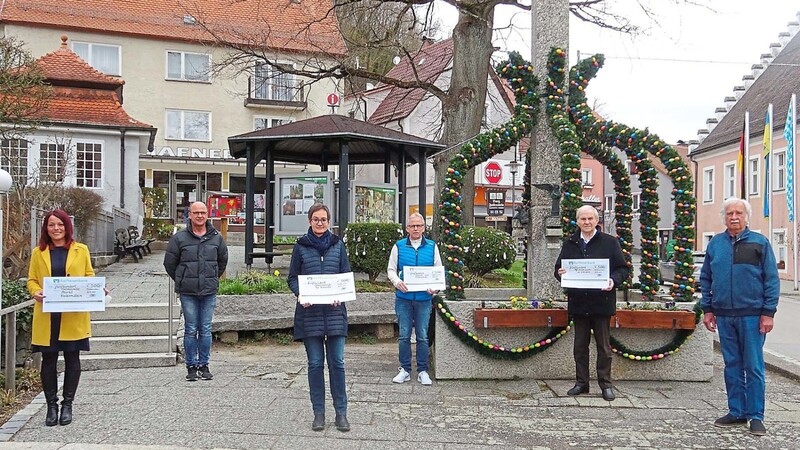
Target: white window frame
<point>608,202</point>
<point>779,174</point>
<point>183,67</point>
<point>266,90</point>
<point>706,239</point>
<point>586,177</point>
<point>91,55</point>
<point>781,250</point>
<point>16,160</point>
<point>636,201</point>
<point>754,176</point>
<point>271,121</point>
<point>81,181</point>
<point>708,185</point>
<point>45,165</point>
<point>729,179</point>
<point>182,136</point>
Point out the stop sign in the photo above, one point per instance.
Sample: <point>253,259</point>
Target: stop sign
<point>493,172</point>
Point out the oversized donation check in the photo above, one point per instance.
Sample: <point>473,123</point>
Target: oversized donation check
<point>422,278</point>
<point>585,273</point>
<point>74,294</point>
<point>326,289</point>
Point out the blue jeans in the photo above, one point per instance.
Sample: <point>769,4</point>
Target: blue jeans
<point>315,350</point>
<point>742,347</point>
<point>416,314</point>
<point>198,310</point>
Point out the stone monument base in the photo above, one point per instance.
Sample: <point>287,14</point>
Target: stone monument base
<point>452,359</point>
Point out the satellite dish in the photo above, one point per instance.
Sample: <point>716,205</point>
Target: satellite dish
<point>396,60</point>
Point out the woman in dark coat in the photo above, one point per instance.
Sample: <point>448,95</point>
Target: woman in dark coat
<point>321,327</point>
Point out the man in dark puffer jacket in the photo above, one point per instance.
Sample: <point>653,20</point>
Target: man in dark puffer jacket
<point>196,257</point>
<point>591,309</point>
<point>320,327</point>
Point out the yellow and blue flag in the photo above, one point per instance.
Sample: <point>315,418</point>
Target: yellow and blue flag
<point>765,154</point>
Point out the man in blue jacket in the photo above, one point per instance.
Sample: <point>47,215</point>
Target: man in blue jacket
<point>413,309</point>
<point>740,287</point>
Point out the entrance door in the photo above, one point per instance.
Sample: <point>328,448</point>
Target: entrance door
<point>187,190</point>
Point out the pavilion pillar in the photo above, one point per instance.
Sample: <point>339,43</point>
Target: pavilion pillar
<point>344,186</point>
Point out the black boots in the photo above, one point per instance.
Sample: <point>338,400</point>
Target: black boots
<point>49,378</point>
<point>52,414</point>
<point>319,422</point>
<point>72,376</point>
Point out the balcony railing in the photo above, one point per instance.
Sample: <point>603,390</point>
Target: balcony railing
<point>274,92</point>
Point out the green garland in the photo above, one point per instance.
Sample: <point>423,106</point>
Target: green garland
<point>637,144</point>
<point>662,352</point>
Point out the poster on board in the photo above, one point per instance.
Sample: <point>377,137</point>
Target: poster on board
<point>374,203</point>
<point>295,194</point>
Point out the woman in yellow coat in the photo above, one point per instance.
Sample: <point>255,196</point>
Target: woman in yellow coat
<point>57,255</point>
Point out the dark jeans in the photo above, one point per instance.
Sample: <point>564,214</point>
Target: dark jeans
<point>316,348</point>
<point>198,312</point>
<point>412,314</point>
<point>742,346</point>
<point>583,334</point>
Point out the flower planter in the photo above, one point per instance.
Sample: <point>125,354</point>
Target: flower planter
<point>654,319</point>
<point>520,318</point>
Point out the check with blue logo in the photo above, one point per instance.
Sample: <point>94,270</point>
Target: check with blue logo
<point>327,288</point>
<point>74,294</point>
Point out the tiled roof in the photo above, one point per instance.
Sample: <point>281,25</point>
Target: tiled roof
<point>301,25</point>
<point>88,107</point>
<point>430,62</point>
<point>775,85</point>
<point>64,66</point>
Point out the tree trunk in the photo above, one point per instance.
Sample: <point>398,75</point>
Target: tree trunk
<point>463,108</point>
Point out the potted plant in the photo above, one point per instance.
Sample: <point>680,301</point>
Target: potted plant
<point>520,312</point>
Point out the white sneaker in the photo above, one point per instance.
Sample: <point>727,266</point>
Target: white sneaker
<point>402,376</point>
<point>424,378</point>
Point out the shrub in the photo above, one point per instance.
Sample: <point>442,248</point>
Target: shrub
<point>369,246</point>
<point>252,282</point>
<point>160,229</point>
<point>486,249</point>
<point>14,293</point>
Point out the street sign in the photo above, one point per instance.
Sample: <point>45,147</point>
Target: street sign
<point>333,99</point>
<point>495,203</point>
<point>493,172</point>
<point>496,218</point>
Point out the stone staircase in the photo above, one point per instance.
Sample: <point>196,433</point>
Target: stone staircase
<point>132,335</point>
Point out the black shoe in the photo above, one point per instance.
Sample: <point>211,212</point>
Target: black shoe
<point>608,394</point>
<point>52,415</point>
<point>757,427</point>
<point>578,390</point>
<point>66,414</point>
<point>319,422</point>
<point>341,423</point>
<point>204,372</point>
<point>728,420</point>
<point>191,373</point>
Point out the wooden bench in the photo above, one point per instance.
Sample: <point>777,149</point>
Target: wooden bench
<point>123,246</point>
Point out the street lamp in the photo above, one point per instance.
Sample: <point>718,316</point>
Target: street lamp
<point>5,186</point>
<point>513,167</point>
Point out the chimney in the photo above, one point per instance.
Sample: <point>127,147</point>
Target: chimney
<point>784,37</point>
<point>702,134</point>
<point>775,48</point>
<point>711,123</point>
<point>729,102</point>
<point>766,59</point>
<point>747,80</point>
<point>738,91</point>
<point>693,144</point>
<point>720,112</point>
<point>793,27</point>
<point>757,69</point>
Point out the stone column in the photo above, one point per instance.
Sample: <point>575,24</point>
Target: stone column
<point>549,28</point>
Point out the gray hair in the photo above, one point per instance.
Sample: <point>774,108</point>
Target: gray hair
<point>730,201</point>
<point>415,215</point>
<point>585,208</point>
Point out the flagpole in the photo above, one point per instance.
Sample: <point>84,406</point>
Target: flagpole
<point>770,167</point>
<point>794,185</point>
<point>746,195</point>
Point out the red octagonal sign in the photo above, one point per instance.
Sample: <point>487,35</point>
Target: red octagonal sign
<point>493,172</point>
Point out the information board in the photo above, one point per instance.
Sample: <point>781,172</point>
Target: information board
<point>295,194</point>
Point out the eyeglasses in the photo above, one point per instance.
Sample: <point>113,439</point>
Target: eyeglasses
<point>199,213</point>
<point>318,220</point>
<point>415,226</point>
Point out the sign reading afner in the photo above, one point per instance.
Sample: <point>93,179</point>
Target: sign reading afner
<point>74,294</point>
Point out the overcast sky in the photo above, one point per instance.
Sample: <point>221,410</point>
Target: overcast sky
<point>671,79</point>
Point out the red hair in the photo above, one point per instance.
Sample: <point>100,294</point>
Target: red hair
<point>44,237</point>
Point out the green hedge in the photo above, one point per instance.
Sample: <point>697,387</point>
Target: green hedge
<point>369,246</point>
<point>486,249</point>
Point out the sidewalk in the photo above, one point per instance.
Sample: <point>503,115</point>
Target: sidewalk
<point>259,400</point>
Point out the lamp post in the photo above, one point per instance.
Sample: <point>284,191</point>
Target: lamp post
<point>513,167</point>
<point>5,186</point>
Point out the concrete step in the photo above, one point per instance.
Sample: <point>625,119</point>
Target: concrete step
<point>107,345</point>
<point>128,361</point>
<point>138,327</point>
<point>136,311</point>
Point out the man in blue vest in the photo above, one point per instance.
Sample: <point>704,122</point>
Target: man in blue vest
<point>413,309</point>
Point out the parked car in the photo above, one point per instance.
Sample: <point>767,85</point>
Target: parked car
<point>668,268</point>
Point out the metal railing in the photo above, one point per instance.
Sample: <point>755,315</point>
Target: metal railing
<point>10,314</point>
